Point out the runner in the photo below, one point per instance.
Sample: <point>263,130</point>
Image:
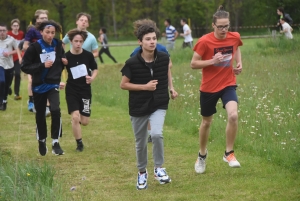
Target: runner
<point>44,61</point>
<point>90,44</point>
<point>104,49</point>
<point>286,28</point>
<point>32,36</point>
<point>214,54</point>
<point>78,89</point>
<point>187,34</point>
<point>18,36</point>
<point>171,34</point>
<point>160,48</point>
<point>8,47</point>
<point>145,76</point>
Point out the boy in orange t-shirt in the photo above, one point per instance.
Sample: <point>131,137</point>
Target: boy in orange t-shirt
<point>214,54</point>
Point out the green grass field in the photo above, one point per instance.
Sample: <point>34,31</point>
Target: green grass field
<point>267,145</point>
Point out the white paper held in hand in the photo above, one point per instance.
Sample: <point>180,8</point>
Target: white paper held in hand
<point>47,57</point>
<point>79,71</point>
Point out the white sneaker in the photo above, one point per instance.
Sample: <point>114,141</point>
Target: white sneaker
<point>161,175</point>
<point>231,160</point>
<point>141,183</point>
<point>200,164</point>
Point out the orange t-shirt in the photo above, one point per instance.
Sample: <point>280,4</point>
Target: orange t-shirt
<point>218,76</point>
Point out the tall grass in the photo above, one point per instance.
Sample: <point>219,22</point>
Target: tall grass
<point>27,180</point>
<point>268,92</point>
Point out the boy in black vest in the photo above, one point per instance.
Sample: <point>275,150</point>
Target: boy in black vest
<point>145,76</point>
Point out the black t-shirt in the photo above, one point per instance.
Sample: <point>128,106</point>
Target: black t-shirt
<point>86,58</point>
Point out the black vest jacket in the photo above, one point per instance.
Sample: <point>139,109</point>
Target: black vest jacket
<point>143,103</point>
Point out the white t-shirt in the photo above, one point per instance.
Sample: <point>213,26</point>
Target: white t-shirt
<point>187,38</point>
<point>7,45</point>
<point>287,27</point>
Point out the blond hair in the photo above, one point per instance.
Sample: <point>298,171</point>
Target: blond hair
<point>15,20</point>
<point>39,12</point>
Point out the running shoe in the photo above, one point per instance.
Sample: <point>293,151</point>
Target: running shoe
<point>200,165</point>
<point>47,113</point>
<point>161,175</point>
<point>231,160</point>
<point>42,147</point>
<point>30,106</point>
<point>17,97</point>
<point>3,106</point>
<point>79,147</point>
<point>56,149</point>
<point>149,139</point>
<point>141,183</point>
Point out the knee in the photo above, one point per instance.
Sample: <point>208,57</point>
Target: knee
<point>155,137</point>
<point>55,113</point>
<point>206,123</point>
<point>75,118</point>
<point>233,117</point>
<point>84,122</point>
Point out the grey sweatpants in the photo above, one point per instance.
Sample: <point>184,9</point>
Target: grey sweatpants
<point>139,125</point>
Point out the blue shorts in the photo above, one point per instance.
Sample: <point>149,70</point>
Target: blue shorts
<point>208,101</point>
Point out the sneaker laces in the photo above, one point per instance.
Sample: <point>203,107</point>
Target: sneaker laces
<point>230,157</point>
<point>161,172</point>
<point>142,178</point>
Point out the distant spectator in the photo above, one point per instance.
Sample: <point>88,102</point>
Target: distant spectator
<point>187,34</point>
<point>282,14</point>
<point>171,34</point>
<point>286,28</point>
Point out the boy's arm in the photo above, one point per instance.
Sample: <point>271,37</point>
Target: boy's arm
<point>198,63</point>
<point>238,59</point>
<point>127,85</point>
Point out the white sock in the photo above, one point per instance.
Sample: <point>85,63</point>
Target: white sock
<point>54,140</point>
<point>149,132</point>
<point>4,101</point>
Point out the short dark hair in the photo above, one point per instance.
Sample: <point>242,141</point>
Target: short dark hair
<point>89,17</point>
<point>41,26</point>
<point>184,20</point>
<point>72,33</point>
<point>280,9</point>
<point>145,29</point>
<point>168,20</point>
<point>3,25</point>
<point>103,29</point>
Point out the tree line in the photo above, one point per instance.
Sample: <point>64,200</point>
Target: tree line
<point>117,15</point>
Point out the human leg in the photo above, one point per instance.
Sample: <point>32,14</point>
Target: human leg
<point>2,86</point>
<point>9,74</point>
<point>139,125</point>
<point>230,100</point>
<point>17,69</point>
<point>232,124</point>
<point>56,125</point>
<point>100,53</point>
<point>31,107</point>
<point>208,103</point>
<point>157,121</point>
<point>107,52</point>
